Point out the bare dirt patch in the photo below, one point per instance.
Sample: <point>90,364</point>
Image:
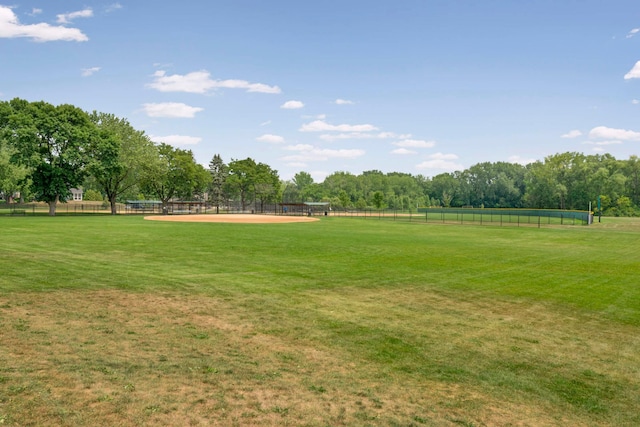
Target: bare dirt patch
<point>234,218</point>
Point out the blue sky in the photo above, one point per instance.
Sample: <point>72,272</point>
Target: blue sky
<point>414,86</point>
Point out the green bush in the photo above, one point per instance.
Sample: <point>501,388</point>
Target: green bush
<point>93,196</point>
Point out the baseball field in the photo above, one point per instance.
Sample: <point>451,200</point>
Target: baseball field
<point>337,321</point>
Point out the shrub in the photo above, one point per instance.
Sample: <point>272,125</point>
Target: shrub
<point>93,196</point>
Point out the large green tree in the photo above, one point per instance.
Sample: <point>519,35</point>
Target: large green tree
<point>12,174</point>
<point>493,185</point>
<point>241,180</point>
<point>541,187</point>
<point>118,156</point>
<point>444,187</point>
<point>219,173</point>
<point>344,186</point>
<point>266,185</point>
<point>631,170</point>
<point>53,141</point>
<point>303,183</point>
<point>378,199</point>
<point>251,181</point>
<point>174,173</point>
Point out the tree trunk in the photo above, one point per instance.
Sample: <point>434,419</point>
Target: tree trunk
<point>52,206</point>
<point>112,201</point>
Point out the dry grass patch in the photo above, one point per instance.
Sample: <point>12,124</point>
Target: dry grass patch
<point>74,357</point>
<point>70,358</point>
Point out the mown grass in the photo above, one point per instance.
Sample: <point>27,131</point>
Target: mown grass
<point>338,322</point>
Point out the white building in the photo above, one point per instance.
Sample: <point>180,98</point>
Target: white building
<point>76,194</point>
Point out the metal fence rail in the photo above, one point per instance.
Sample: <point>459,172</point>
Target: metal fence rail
<point>510,217</point>
<point>501,217</point>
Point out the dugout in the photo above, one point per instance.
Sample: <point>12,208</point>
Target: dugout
<point>186,207</point>
<point>143,206</point>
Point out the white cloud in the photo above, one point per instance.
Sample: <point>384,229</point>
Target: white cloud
<point>171,110</point>
<point>635,101</point>
<point>35,11</point>
<point>442,156</point>
<point>572,134</point>
<point>344,102</point>
<point>394,135</point>
<point>268,122</point>
<point>441,161</point>
<point>322,126</point>
<point>362,135</point>
<point>415,143</point>
<point>520,161</point>
<point>633,32</point>
<point>603,132</point>
<point>176,139</point>
<point>444,165</point>
<point>299,147</point>
<point>113,7</point>
<point>316,117</point>
<point>66,18</point>
<point>10,27</point>
<point>292,105</point>
<point>86,72</point>
<point>201,82</point>
<point>243,84</point>
<point>272,139</point>
<point>634,73</point>
<point>308,153</point>
<point>403,151</point>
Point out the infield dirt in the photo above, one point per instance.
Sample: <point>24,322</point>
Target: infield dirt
<point>235,218</point>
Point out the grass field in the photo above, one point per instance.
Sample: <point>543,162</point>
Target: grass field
<point>121,321</point>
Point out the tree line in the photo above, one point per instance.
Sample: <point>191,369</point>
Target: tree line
<point>562,181</point>
<point>46,150</point>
